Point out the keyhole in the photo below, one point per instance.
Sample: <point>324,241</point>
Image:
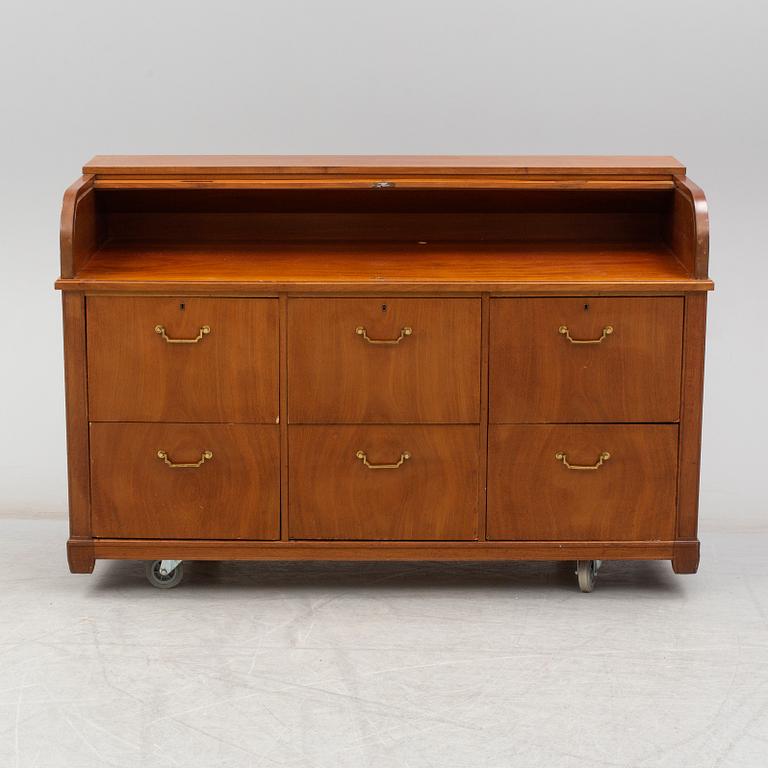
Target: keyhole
<point>383,307</point>
<point>182,307</point>
<point>586,307</point>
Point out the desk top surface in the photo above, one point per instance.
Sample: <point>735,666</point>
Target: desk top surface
<point>514,165</point>
<point>333,266</point>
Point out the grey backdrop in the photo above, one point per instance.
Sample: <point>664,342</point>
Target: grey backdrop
<point>656,77</point>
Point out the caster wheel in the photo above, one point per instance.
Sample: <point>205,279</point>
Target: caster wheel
<point>586,570</point>
<point>163,581</point>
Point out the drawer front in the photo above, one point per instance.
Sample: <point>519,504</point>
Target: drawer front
<point>339,490</point>
<point>232,494</point>
<point>138,374</point>
<point>428,371</point>
<point>626,496</point>
<point>631,371</point>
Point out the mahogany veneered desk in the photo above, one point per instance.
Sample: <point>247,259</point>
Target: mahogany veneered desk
<point>383,358</point>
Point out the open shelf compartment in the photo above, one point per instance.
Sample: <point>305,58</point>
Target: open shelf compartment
<point>462,239</point>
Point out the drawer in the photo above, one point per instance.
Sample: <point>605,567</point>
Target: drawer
<point>585,360</point>
<point>182,373</point>
<point>383,482</point>
<point>620,485</point>
<point>384,360</point>
<point>233,493</point>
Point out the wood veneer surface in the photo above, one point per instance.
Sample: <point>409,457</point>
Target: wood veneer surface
<point>374,263</point>
<point>230,375</point>
<point>447,164</point>
<point>432,495</point>
<point>430,376</point>
<point>632,375</point>
<point>234,495</point>
<point>533,495</point>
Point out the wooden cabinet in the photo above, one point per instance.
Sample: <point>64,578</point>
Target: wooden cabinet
<point>384,358</point>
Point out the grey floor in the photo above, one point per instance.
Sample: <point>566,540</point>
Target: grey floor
<point>382,665</point>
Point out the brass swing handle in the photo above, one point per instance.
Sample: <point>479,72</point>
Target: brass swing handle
<point>406,331</point>
<point>206,456</point>
<point>563,329</point>
<point>404,456</point>
<point>204,330</point>
<point>604,456</point>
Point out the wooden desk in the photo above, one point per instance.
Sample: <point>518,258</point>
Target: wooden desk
<point>383,358</point>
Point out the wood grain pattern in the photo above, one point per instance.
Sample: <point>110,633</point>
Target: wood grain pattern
<point>689,234</point>
<point>433,495</point>
<point>206,549</point>
<point>230,375</point>
<point>532,495</point>
<point>232,165</point>
<point>685,558</point>
<point>340,182</point>
<point>283,384</point>
<point>337,377</point>
<point>76,243</point>
<point>81,555</point>
<point>687,561</point>
<point>76,394</point>
<point>235,495</point>
<point>484,410</point>
<point>394,266</point>
<point>537,375</point>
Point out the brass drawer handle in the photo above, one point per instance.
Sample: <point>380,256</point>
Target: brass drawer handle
<point>607,331</point>
<point>604,456</point>
<point>206,456</point>
<point>406,331</point>
<point>404,456</point>
<point>204,330</point>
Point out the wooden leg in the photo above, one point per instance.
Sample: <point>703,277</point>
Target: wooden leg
<point>80,555</point>
<point>686,557</point>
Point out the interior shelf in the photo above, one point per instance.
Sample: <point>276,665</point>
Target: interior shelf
<point>369,263</point>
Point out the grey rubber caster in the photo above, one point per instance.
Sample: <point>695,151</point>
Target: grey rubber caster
<point>164,574</point>
<point>586,570</point>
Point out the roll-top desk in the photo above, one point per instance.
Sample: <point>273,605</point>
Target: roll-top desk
<point>383,358</point>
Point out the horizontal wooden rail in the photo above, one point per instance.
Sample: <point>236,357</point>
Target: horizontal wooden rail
<point>138,549</point>
<point>383,184</point>
<point>437,288</point>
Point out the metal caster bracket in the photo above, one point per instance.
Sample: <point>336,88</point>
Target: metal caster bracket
<point>167,567</point>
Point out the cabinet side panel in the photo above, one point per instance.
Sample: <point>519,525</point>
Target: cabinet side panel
<point>75,382</point>
<point>690,415</point>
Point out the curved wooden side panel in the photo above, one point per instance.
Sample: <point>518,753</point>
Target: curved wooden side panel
<point>79,229</point>
<point>689,235</point>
